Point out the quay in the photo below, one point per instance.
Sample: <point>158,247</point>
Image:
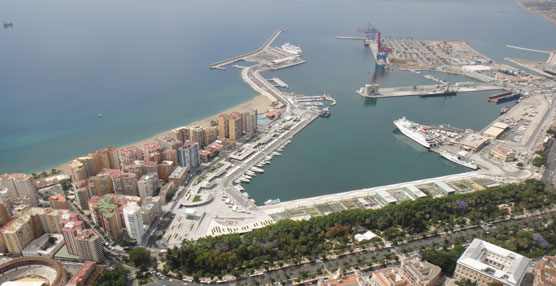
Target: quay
<point>220,65</point>
<point>423,90</point>
<point>392,191</point>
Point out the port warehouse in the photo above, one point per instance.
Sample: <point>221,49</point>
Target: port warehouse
<point>414,192</point>
<point>495,130</point>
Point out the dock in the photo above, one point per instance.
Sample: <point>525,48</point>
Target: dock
<point>350,38</point>
<point>427,90</point>
<point>278,82</point>
<point>220,65</point>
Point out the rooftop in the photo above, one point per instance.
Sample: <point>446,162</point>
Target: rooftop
<point>131,150</point>
<point>152,147</point>
<point>496,262</point>
<point>36,245</point>
<point>82,273</point>
<point>104,150</point>
<point>114,173</point>
<point>57,197</point>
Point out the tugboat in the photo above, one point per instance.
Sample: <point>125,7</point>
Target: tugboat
<point>504,109</point>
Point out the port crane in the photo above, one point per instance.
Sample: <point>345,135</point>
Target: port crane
<point>372,33</point>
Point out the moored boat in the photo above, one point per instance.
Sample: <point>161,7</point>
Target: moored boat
<point>458,159</point>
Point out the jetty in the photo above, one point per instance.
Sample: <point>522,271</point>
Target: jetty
<point>220,65</point>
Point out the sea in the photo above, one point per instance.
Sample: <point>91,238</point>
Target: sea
<point>144,65</point>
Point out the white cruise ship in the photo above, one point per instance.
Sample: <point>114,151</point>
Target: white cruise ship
<point>459,159</point>
<point>292,49</point>
<point>415,132</point>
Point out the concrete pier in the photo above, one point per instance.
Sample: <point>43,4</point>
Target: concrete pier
<point>350,38</point>
<point>428,90</point>
<point>529,50</point>
<point>220,65</point>
<point>278,82</point>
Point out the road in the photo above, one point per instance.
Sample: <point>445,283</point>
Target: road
<point>550,170</point>
<point>364,255</point>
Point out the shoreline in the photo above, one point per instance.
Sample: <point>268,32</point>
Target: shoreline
<point>260,102</point>
<point>529,10</point>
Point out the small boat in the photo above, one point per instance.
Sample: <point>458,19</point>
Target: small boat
<point>100,115</point>
<point>272,202</point>
<point>276,153</point>
<point>8,25</point>
<point>250,173</point>
<point>258,170</point>
<point>504,109</point>
<point>247,177</point>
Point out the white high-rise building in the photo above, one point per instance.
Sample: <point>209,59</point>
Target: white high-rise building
<point>147,185</point>
<point>133,221</point>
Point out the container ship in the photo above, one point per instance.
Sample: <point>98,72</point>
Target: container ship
<point>458,159</point>
<point>503,97</point>
<point>415,132</point>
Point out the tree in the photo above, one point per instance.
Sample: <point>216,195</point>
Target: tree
<point>466,282</point>
<point>139,256</point>
<point>66,184</point>
<point>115,277</point>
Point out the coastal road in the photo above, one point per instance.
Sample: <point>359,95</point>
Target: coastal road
<point>366,255</point>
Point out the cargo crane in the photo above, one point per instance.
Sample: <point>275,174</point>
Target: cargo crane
<point>371,33</point>
<point>382,50</point>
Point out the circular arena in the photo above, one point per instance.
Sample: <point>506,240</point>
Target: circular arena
<point>41,270</point>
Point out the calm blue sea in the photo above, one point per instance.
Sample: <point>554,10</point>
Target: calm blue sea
<point>144,66</point>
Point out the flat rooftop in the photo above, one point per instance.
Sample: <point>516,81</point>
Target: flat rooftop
<point>494,261</point>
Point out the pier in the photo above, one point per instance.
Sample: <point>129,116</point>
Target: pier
<point>426,90</point>
<point>278,82</point>
<point>220,65</point>
<point>529,50</point>
<point>350,38</point>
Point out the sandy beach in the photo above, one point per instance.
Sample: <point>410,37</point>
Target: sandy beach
<point>261,103</point>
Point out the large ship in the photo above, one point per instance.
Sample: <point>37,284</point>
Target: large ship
<point>415,132</point>
<point>292,49</point>
<point>458,159</point>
